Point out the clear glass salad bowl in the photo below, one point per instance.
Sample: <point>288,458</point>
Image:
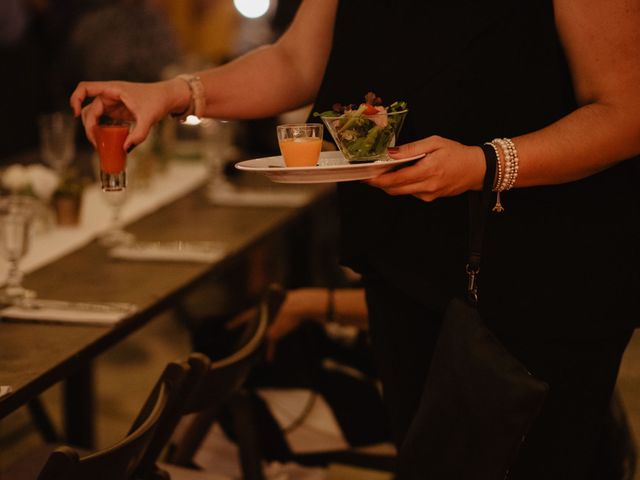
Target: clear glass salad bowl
<point>365,138</point>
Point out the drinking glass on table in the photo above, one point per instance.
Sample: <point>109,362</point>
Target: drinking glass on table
<point>57,133</point>
<point>113,179</point>
<point>16,213</point>
<point>216,141</point>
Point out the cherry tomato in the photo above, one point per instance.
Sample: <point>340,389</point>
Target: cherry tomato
<point>370,109</point>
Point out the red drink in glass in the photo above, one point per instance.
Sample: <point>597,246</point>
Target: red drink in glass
<point>110,145</point>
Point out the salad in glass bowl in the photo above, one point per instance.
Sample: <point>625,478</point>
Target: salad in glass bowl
<point>364,132</point>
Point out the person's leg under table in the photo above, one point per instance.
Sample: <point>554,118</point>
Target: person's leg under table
<point>403,334</point>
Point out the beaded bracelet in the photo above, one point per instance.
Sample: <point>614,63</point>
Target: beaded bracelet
<point>506,177</point>
<point>511,161</point>
<point>516,162</point>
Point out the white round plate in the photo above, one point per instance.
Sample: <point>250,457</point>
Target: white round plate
<point>332,167</point>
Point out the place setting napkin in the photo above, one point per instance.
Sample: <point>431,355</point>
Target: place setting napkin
<point>59,311</point>
<point>172,251</point>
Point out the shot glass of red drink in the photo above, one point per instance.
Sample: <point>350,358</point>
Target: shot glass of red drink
<point>110,139</point>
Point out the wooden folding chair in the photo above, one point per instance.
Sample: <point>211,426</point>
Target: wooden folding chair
<point>220,387</point>
<point>121,461</point>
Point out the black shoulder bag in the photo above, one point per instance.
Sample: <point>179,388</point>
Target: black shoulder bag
<point>478,401</point>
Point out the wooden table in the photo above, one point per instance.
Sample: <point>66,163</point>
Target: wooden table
<point>35,356</point>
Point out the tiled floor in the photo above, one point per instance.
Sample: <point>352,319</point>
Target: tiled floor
<point>125,374</point>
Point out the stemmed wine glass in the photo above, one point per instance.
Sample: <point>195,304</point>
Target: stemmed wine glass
<point>110,146</point>
<point>57,140</point>
<point>16,213</point>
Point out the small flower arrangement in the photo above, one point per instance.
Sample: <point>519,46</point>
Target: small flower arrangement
<point>62,192</point>
<point>42,182</point>
<point>67,198</point>
<point>34,180</point>
<point>71,184</point>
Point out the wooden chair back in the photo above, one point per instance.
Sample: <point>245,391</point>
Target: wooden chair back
<point>197,365</point>
<point>122,460</point>
<point>222,386</point>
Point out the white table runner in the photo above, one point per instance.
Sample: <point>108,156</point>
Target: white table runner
<point>179,179</point>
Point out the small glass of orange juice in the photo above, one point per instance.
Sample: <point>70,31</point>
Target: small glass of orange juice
<point>300,143</point>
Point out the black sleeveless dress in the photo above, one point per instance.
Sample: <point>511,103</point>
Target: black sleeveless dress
<point>561,261</point>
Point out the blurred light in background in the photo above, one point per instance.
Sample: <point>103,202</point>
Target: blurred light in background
<point>252,8</point>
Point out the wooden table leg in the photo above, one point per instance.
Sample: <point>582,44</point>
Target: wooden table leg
<point>78,408</point>
<point>42,421</point>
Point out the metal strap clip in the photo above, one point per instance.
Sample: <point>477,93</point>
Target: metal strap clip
<point>472,282</point>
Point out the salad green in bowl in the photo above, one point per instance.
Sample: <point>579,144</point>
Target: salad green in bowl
<point>364,132</point>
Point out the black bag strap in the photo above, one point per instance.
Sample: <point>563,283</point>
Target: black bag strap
<point>478,208</point>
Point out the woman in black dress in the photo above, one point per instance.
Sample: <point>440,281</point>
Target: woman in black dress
<point>561,79</point>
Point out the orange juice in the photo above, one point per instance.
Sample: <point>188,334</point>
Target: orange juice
<point>300,152</point>
<point>110,145</point>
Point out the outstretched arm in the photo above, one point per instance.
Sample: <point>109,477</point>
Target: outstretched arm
<point>601,39</point>
<point>266,81</point>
